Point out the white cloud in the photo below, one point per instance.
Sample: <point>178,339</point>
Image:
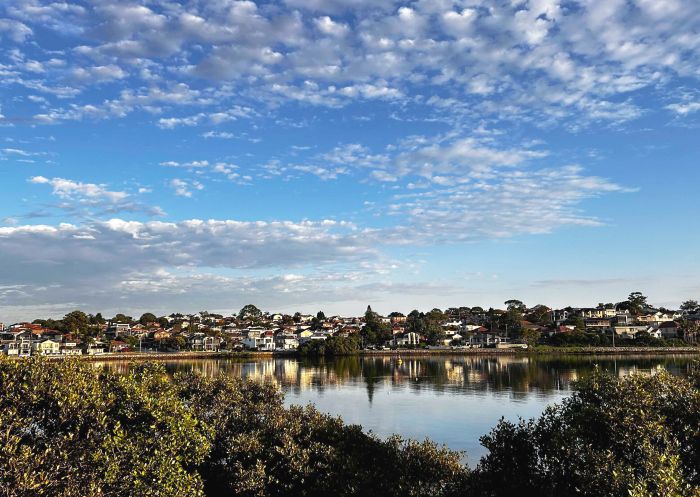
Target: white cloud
<point>322,172</point>
<point>15,30</point>
<point>327,26</point>
<point>90,199</point>
<point>514,55</point>
<point>101,264</point>
<point>685,108</point>
<point>66,188</point>
<point>98,73</point>
<point>184,188</point>
<point>511,203</point>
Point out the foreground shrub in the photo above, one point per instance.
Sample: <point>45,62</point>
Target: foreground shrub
<point>68,429</point>
<point>638,436</point>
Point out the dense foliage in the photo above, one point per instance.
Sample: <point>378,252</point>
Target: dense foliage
<point>639,436</point>
<point>69,429</point>
<point>332,346</point>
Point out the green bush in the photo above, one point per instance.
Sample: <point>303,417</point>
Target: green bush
<point>636,436</point>
<point>68,429</point>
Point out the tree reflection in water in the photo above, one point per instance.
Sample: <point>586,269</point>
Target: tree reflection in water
<point>520,376</point>
<point>450,399</point>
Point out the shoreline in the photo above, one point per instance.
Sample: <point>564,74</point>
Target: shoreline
<point>550,351</point>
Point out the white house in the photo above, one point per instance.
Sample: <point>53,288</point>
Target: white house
<point>70,348</point>
<point>48,347</point>
<point>406,339</point>
<point>20,348</point>
<point>95,348</point>
<point>259,341</point>
<point>286,342</point>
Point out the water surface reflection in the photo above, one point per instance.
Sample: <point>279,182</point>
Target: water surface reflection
<point>453,400</point>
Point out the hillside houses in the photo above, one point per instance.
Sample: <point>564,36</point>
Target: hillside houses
<point>277,332</point>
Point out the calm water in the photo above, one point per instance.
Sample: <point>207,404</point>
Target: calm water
<point>452,400</point>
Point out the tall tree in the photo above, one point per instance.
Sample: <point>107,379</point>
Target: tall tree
<point>434,332</point>
<point>122,318</point>
<point>78,323</point>
<point>374,332</point>
<point>690,306</point>
<point>515,309</point>
<point>147,318</point>
<point>415,322</point>
<point>637,302</point>
<point>250,312</point>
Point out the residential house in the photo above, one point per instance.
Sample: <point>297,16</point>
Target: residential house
<point>591,312</point>
<point>406,339</point>
<point>483,337</point>
<point>302,334</point>
<point>96,348</point>
<point>597,324</point>
<point>70,348</point>
<point>624,319</point>
<point>257,340</point>
<point>203,342</point>
<point>19,348</point>
<point>655,318</point>
<point>47,347</point>
<point>119,329</point>
<point>631,331</point>
<point>284,341</point>
<point>669,329</point>
<point>314,336</point>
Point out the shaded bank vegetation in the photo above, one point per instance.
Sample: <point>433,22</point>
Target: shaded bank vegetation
<point>69,429</point>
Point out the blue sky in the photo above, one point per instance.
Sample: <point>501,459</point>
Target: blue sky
<point>325,154</point>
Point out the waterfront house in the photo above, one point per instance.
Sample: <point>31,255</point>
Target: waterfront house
<point>203,342</point>
<point>405,339</point>
<point>669,329</point>
<point>118,346</point>
<point>631,331</point>
<point>285,341</point>
<point>47,347</point>
<point>483,337</point>
<point>96,348</point>
<point>19,348</point>
<point>258,340</point>
<point>70,348</point>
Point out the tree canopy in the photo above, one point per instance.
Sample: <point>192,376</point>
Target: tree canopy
<point>636,302</point>
<point>690,306</point>
<point>249,312</point>
<point>148,317</point>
